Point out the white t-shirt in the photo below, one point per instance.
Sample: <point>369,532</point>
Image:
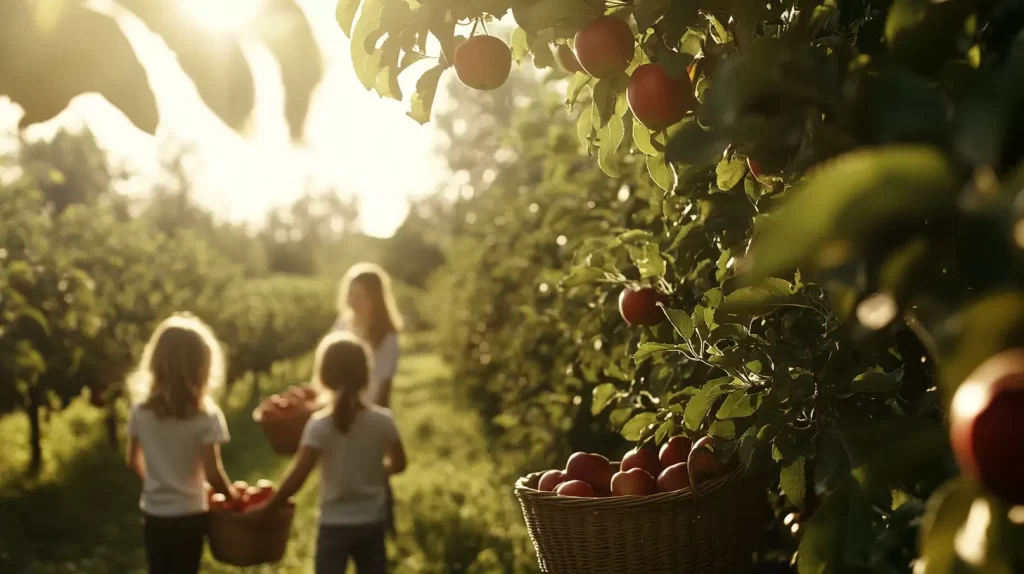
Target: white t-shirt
<point>174,484</point>
<point>385,359</point>
<point>352,476</point>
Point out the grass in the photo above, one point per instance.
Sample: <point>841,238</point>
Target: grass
<point>454,505</point>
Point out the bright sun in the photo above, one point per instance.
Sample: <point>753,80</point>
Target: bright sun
<point>221,15</point>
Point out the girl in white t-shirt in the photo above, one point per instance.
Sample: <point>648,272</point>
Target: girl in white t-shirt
<point>367,308</point>
<point>174,435</point>
<point>357,446</point>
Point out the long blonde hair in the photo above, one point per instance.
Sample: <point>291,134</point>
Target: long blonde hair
<point>385,318</point>
<point>342,366</point>
<point>181,364</point>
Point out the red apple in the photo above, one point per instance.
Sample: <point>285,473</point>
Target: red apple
<point>640,306</point>
<point>704,462</point>
<point>674,478</point>
<point>567,59</point>
<point>483,62</point>
<point>550,480</point>
<point>644,458</point>
<point>675,451</point>
<point>985,429</point>
<point>605,47</point>
<point>593,469</point>
<point>755,168</point>
<point>633,482</point>
<point>575,488</point>
<point>657,99</point>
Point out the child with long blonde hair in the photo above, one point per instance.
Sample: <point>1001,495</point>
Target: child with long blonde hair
<point>174,435</point>
<point>357,446</point>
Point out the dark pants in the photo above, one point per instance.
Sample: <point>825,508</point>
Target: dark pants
<point>363,543</point>
<point>174,545</point>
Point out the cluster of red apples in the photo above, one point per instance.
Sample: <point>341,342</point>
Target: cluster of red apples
<point>658,97</point>
<point>248,496</point>
<point>642,472</point>
<point>297,399</point>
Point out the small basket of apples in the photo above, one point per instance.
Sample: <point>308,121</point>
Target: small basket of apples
<point>284,416</point>
<point>241,541</point>
<point>680,510</point>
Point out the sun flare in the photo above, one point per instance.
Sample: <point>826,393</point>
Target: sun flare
<point>221,15</point>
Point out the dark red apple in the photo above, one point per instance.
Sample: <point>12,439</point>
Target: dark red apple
<point>755,168</point>
<point>658,99</point>
<point>605,47</point>
<point>575,488</point>
<point>640,306</point>
<point>674,478</point>
<point>593,469</point>
<point>704,462</point>
<point>483,62</point>
<point>986,428</point>
<point>644,458</point>
<point>675,451</point>
<point>633,482</point>
<point>550,480</point>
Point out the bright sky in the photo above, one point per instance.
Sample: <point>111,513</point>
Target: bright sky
<point>357,142</point>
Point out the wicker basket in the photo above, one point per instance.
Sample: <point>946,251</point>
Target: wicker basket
<point>242,541</point>
<point>284,433</point>
<point>715,531</point>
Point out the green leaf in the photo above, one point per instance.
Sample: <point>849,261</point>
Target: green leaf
<point>423,98</point>
<point>519,45</point>
<point>723,429</point>
<point>738,404</point>
<point>729,173</point>
<point>665,430</point>
<point>610,138</point>
<point>647,349</point>
<point>579,81</point>
<point>648,260</point>
<point>548,14</point>
<point>648,12</point>
<point>837,533</point>
<point>697,407</point>
<point>642,139</point>
<point>959,518</point>
<point>849,200</point>
<point>543,57</point>
<point>876,381</point>
<point>387,78</point>
<point>631,430</point>
<point>661,172</point>
<point>681,322</point>
<point>603,395</point>
<point>345,13</point>
<point>363,61</point>
<point>585,129</point>
<point>793,481</point>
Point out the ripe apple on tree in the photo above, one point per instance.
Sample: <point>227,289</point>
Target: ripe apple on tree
<point>640,306</point>
<point>656,98</point>
<point>483,62</point>
<point>985,429</point>
<point>605,47</point>
<point>567,59</point>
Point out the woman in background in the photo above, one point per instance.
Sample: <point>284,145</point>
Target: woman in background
<point>367,309</point>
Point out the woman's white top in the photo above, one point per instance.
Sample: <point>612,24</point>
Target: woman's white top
<point>172,447</point>
<point>385,358</point>
<point>353,482</point>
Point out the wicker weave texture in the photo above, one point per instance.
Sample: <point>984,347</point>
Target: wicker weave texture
<point>716,532</point>
<point>240,541</point>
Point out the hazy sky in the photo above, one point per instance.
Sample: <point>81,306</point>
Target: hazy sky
<point>357,142</point>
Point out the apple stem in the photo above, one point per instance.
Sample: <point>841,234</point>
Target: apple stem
<point>476,22</point>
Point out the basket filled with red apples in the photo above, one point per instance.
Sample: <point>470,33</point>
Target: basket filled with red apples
<point>239,540</point>
<point>284,416</point>
<point>678,510</point>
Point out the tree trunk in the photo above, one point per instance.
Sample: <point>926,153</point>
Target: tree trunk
<point>35,433</point>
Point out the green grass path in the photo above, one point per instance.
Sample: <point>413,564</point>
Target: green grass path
<point>454,509</point>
